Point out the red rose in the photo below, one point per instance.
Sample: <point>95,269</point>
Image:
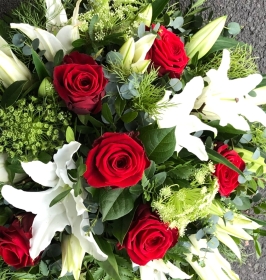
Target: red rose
<point>116,159</point>
<point>80,82</point>
<point>14,242</point>
<point>148,238</point>
<point>228,178</point>
<point>168,54</point>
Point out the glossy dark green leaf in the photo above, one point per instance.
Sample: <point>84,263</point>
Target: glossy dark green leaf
<point>39,66</point>
<point>158,7</point>
<point>224,43</point>
<point>217,158</point>
<point>129,117</point>
<point>106,113</point>
<point>58,58</point>
<point>159,143</point>
<point>12,93</point>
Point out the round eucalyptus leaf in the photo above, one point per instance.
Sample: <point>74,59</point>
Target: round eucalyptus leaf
<point>18,40</point>
<point>234,28</point>
<point>26,50</point>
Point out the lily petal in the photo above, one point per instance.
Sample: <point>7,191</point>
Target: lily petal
<point>55,14</point>
<point>67,35</point>
<point>41,173</point>
<point>63,160</point>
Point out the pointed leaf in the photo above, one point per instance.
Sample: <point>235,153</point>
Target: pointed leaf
<point>39,66</point>
<point>12,93</point>
<point>159,143</point>
<point>217,158</point>
<point>59,197</point>
<point>116,203</point>
<point>157,8</point>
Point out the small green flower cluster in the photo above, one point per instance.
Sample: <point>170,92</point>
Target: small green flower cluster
<point>111,18</point>
<point>29,127</point>
<point>181,207</point>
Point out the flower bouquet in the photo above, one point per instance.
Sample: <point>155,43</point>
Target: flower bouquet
<point>132,140</point>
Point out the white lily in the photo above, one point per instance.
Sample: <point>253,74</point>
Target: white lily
<point>134,53</point>
<point>70,211</point>
<point>55,15</point>
<point>72,256</point>
<point>226,100</point>
<point>156,270</point>
<point>234,227</point>
<point>215,264</point>
<point>49,42</point>
<point>178,114</point>
<point>11,68</point>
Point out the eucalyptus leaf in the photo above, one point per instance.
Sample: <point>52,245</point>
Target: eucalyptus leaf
<point>213,243</point>
<point>234,28</point>
<point>35,44</point>
<point>18,40</point>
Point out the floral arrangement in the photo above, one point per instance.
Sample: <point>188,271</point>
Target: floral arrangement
<point>132,140</point>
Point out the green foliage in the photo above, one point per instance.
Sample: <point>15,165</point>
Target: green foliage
<point>258,132</point>
<point>242,63</point>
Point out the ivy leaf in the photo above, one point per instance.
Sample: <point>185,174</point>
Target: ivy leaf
<point>159,143</point>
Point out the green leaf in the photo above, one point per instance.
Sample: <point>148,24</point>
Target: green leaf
<point>58,57</point>
<point>245,203</point>
<point>5,214</point>
<point>159,143</point>
<point>197,4</point>
<point>110,265</point>
<point>59,197</point>
<point>78,43</point>
<point>106,113</point>
<point>157,8</point>
<point>35,44</point>
<point>120,105</point>
<point>149,172</point>
<point>77,187</point>
<point>224,43</point>
<point>116,203</point>
<point>89,275</point>
<point>12,93</point>
<point>213,243</point>
<point>39,66</point>
<point>217,158</point>
<point>121,226</point>
<point>81,169</point>
<point>94,122</point>
<point>225,129</point>
<point>70,135</point>
<point>234,28</point>
<point>26,50</point>
<point>257,248</point>
<point>129,117</point>
<point>159,178</point>
<point>43,268</point>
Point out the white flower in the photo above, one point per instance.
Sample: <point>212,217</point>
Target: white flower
<point>156,270</point>
<point>234,227</point>
<point>178,114</point>
<point>49,42</point>
<point>215,265</point>
<point>227,100</point>
<point>70,211</point>
<point>55,15</point>
<point>11,68</point>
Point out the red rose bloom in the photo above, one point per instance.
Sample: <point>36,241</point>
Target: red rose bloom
<point>228,178</point>
<point>148,238</point>
<point>80,82</point>
<point>168,54</point>
<point>14,242</point>
<point>116,159</point>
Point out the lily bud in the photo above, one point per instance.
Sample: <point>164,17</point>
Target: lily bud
<point>140,66</point>
<point>72,256</point>
<point>145,15</point>
<point>247,157</point>
<point>205,38</point>
<point>142,46</point>
<point>11,68</point>
<point>128,51</point>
